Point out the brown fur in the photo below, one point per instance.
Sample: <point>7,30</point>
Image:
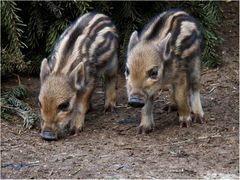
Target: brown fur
<point>69,75</point>
<point>177,65</point>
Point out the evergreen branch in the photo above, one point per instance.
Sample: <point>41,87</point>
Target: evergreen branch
<point>54,32</point>
<point>11,105</point>
<point>12,57</point>
<point>12,23</point>
<point>35,28</point>
<point>55,8</point>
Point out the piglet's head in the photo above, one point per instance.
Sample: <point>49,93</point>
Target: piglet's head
<point>144,68</point>
<point>58,99</point>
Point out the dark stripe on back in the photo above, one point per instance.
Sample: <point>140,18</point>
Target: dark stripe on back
<point>176,31</point>
<point>105,61</point>
<point>72,38</point>
<point>188,41</point>
<point>105,47</point>
<point>104,18</point>
<point>71,41</point>
<point>159,25</point>
<point>173,21</point>
<point>89,41</point>
<point>94,36</point>
<point>101,49</point>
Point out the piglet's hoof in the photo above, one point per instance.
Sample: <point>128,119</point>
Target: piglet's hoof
<point>111,109</point>
<point>186,124</point>
<point>185,121</point>
<point>76,131</point>
<point>198,119</point>
<point>145,129</point>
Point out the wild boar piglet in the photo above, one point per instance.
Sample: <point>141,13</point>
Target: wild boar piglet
<point>166,52</point>
<point>86,50</point>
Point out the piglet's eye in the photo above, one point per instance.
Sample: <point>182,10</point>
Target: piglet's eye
<point>153,73</point>
<point>127,71</point>
<point>64,106</point>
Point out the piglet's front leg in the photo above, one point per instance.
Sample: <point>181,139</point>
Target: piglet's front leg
<point>147,123</point>
<point>78,123</point>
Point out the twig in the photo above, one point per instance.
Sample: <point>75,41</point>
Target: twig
<point>183,171</point>
<point>160,92</point>
<point>215,84</point>
<point>121,106</point>
<point>50,173</point>
<point>212,90</point>
<point>34,162</point>
<point>120,167</point>
<point>75,172</point>
<point>18,77</point>
<point>13,132</point>
<point>204,72</point>
<point>8,107</point>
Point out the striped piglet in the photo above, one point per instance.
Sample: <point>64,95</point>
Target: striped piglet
<point>166,52</point>
<point>86,49</point>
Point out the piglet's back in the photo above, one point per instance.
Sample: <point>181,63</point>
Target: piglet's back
<point>186,37</point>
<point>91,38</point>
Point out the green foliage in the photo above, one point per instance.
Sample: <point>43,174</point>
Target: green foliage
<point>37,25</point>
<point>12,57</point>
<point>11,104</point>
<point>210,18</point>
<point>54,32</point>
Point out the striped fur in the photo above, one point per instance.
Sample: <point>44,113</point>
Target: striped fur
<point>86,49</point>
<point>166,52</point>
<point>92,38</point>
<point>183,28</point>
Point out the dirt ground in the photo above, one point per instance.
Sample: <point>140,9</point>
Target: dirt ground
<point>109,146</point>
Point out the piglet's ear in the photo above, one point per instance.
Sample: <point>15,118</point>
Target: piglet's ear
<point>45,70</point>
<point>164,47</point>
<point>77,76</point>
<point>133,40</point>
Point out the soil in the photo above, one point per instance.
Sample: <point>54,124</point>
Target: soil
<point>109,146</point>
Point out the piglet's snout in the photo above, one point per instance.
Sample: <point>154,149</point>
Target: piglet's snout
<point>48,135</point>
<point>136,101</point>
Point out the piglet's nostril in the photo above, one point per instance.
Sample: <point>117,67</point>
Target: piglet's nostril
<point>48,135</point>
<point>136,101</point>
